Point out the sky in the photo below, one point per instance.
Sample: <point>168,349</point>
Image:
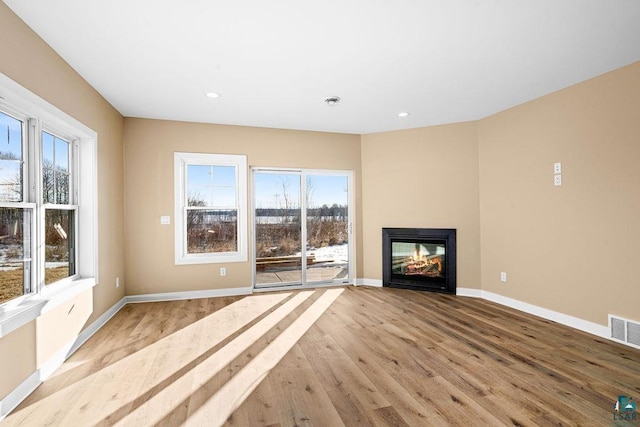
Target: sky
<point>11,147</point>
<point>215,185</point>
<point>323,189</point>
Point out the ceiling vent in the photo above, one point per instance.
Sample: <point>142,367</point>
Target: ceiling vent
<point>624,330</point>
<point>332,101</point>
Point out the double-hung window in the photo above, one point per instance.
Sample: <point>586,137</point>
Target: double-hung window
<point>17,211</point>
<point>210,208</point>
<point>38,206</point>
<point>60,207</point>
<point>47,219</point>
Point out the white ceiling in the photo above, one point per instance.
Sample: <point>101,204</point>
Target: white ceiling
<point>274,62</point>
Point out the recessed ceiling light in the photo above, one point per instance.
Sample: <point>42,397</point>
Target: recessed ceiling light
<point>403,114</point>
<point>332,101</point>
<point>214,95</point>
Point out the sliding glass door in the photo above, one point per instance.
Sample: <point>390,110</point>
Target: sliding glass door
<point>277,230</point>
<point>292,207</point>
<point>327,227</point>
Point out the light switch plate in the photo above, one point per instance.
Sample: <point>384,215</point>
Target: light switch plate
<point>557,167</point>
<point>165,220</point>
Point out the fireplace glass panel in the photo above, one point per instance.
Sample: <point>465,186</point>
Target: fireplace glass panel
<point>418,259</point>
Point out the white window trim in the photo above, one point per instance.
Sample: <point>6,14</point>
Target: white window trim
<point>22,310</point>
<point>181,160</point>
<point>74,197</point>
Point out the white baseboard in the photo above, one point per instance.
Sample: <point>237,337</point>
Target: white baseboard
<point>564,319</point>
<point>175,296</point>
<point>96,325</point>
<point>368,282</point>
<point>18,394</point>
<point>469,292</point>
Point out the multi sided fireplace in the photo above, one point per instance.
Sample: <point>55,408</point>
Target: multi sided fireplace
<point>419,258</point>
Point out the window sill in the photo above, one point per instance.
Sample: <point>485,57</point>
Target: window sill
<point>14,316</point>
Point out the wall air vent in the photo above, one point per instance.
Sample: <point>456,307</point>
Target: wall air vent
<point>625,331</point>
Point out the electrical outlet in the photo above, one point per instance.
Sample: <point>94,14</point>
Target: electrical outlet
<point>557,180</point>
<point>503,276</point>
<point>557,167</point>
<point>165,220</point>
<point>223,271</point>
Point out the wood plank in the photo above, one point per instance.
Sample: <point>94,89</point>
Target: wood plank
<point>374,357</point>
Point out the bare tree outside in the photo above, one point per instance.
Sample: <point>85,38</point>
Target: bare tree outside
<point>279,223</point>
<point>210,230</point>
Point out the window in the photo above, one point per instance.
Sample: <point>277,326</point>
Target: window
<point>210,208</point>
<point>17,226</point>
<point>44,154</point>
<point>60,208</point>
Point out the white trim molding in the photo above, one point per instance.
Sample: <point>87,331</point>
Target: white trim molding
<point>375,283</point>
<point>22,391</point>
<point>175,296</point>
<point>16,314</point>
<point>181,164</point>
<point>18,394</point>
<point>555,316</point>
<point>469,292</point>
<point>96,326</point>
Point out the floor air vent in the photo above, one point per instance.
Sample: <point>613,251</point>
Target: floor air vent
<point>625,331</point>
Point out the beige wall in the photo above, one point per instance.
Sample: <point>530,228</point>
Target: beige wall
<point>149,148</point>
<point>574,248</point>
<point>18,356</point>
<point>29,61</point>
<point>422,178</point>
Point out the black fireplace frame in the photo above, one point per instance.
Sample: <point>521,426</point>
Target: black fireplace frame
<point>428,235</point>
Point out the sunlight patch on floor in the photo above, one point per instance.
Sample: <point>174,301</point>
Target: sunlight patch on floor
<point>135,375</point>
<point>180,391</point>
<point>229,397</point>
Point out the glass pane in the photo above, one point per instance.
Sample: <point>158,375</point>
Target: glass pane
<point>278,228</point>
<point>47,150</point>
<point>327,228</point>
<point>61,155</point>
<point>15,252</point>
<point>418,259</point>
<point>211,230</point>
<point>211,186</point>
<point>59,241</point>
<point>10,159</point>
<point>61,188</point>
<point>55,169</point>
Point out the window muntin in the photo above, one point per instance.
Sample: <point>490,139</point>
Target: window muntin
<point>212,186</point>
<point>211,211</point>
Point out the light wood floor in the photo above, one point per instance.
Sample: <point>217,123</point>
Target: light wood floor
<point>331,357</point>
